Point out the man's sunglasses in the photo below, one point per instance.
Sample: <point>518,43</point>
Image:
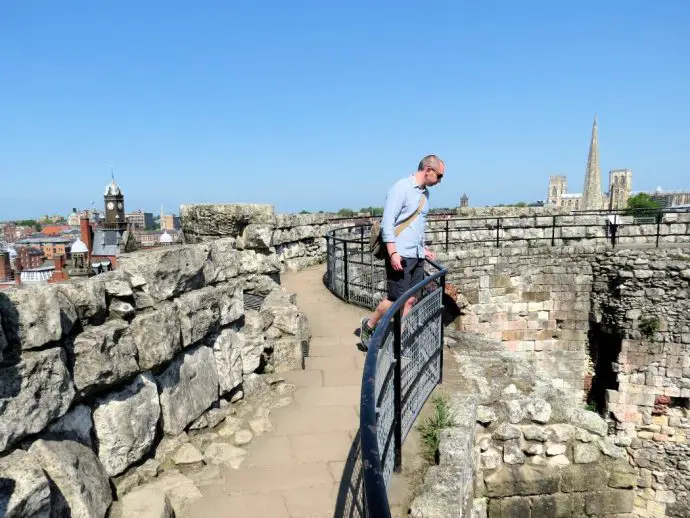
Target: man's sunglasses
<point>438,175</point>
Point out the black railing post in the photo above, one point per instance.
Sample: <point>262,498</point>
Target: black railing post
<point>346,289</point>
<point>447,225</point>
<point>659,217</point>
<point>443,292</point>
<point>361,241</point>
<point>553,232</point>
<point>498,231</point>
<point>397,390</point>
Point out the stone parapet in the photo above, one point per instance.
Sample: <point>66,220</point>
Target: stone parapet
<point>134,359</point>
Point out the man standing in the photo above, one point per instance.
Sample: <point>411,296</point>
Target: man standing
<point>406,206</point>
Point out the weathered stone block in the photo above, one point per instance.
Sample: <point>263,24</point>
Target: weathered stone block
<point>590,421</point>
<point>287,354</point>
<point>586,453</point>
<point>610,501</point>
<point>81,484</point>
<point>75,425</point>
<point>24,489</point>
<point>187,388</point>
<point>199,314</point>
<point>527,479</point>
<point>156,335</point>
<point>551,506</point>
<point>88,298</point>
<point>102,355</point>
<point>35,316</point>
<point>506,432</point>
<point>33,393</point>
<point>147,502</point>
<point>509,507</point>
<point>578,477</point>
<point>204,222</point>
<point>228,347</point>
<point>125,423</point>
<point>168,271</point>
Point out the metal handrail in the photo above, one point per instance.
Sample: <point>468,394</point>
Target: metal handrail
<point>376,497</point>
<point>391,394</point>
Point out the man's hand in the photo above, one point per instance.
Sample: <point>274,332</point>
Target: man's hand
<point>429,254</point>
<point>396,262</point>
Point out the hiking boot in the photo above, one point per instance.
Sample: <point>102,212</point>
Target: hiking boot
<point>365,332</point>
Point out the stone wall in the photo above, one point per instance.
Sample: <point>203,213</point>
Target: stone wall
<point>621,334</point>
<point>483,212</point>
<point>557,230</point>
<point>641,304</point>
<point>102,378</point>
<point>535,301</point>
<point>532,451</point>
<point>297,239</point>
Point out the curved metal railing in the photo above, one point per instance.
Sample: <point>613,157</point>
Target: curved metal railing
<point>403,365</point>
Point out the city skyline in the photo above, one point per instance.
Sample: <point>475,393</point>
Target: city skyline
<point>329,106</point>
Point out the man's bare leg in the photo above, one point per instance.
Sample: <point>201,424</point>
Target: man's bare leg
<point>384,306</point>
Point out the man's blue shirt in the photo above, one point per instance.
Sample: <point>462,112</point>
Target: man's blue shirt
<point>402,200</point>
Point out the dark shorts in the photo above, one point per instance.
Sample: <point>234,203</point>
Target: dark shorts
<point>399,282</point>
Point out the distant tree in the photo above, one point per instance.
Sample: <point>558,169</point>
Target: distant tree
<point>304,211</point>
<point>520,204</point>
<point>29,223</point>
<point>641,205</point>
<point>346,213</point>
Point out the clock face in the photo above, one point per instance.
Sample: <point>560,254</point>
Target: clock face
<point>111,205</point>
<point>119,205</point>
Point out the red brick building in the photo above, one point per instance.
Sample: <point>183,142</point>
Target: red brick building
<point>29,257</point>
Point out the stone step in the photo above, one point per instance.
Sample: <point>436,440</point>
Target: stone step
<point>320,447</point>
<point>341,378</point>
<point>333,363</point>
<point>328,396</point>
<point>312,502</point>
<point>239,506</point>
<point>301,378</point>
<point>271,479</point>
<point>333,350</point>
<point>287,421</point>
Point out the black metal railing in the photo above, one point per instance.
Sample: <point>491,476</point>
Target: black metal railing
<point>649,227</point>
<point>643,227</point>
<point>404,363</point>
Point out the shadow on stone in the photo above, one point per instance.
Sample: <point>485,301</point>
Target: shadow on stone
<point>350,501</point>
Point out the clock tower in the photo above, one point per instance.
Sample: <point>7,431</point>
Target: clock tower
<point>114,206</point>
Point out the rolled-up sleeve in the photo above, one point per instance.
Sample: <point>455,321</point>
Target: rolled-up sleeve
<point>391,209</point>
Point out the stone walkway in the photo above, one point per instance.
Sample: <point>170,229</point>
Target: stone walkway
<point>294,471</point>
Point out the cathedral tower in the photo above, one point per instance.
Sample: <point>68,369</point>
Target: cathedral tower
<point>620,185</point>
<point>591,194</point>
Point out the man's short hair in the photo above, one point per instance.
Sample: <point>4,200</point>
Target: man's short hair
<point>430,161</point>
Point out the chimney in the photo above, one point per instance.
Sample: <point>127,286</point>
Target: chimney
<point>59,274</point>
<point>86,234</point>
<point>5,267</point>
<point>17,270</point>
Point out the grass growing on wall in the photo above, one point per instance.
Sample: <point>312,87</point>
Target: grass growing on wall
<point>648,326</point>
<point>430,428</point>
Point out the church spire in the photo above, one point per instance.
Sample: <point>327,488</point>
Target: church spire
<point>591,195</point>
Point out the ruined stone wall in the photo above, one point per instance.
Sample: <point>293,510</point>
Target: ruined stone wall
<point>297,239</point>
<point>100,379</point>
<point>641,301</point>
<point>535,301</point>
<point>531,449</point>
<point>629,312</point>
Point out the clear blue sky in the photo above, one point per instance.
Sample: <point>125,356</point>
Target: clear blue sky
<point>321,105</point>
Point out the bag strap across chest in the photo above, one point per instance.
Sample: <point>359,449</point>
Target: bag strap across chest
<point>406,223</point>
